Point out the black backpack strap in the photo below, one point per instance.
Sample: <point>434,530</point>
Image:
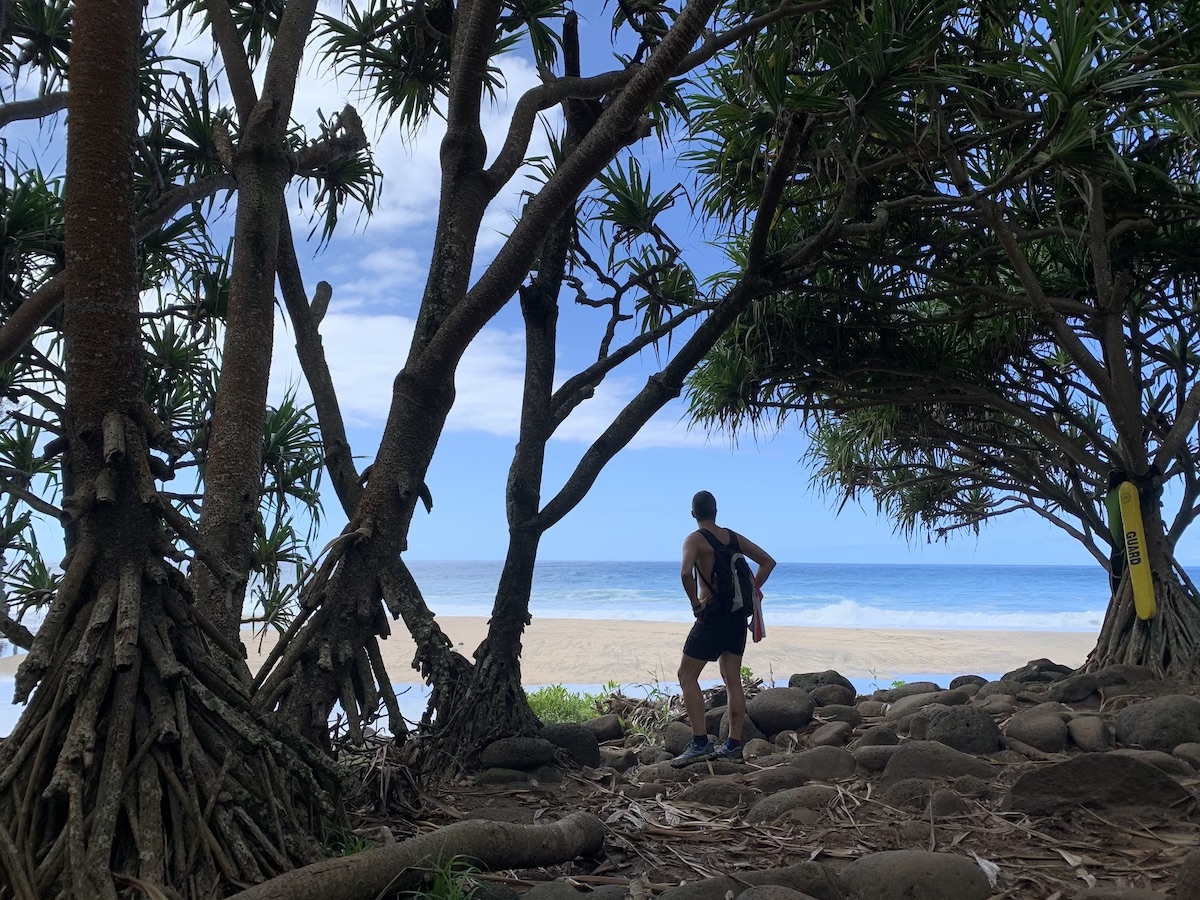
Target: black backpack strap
<point>716,545</point>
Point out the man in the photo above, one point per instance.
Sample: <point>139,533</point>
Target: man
<point>718,635</point>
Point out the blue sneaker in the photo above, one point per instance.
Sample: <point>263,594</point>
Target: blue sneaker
<point>698,750</point>
<point>731,750</point>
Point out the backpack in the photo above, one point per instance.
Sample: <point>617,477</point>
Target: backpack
<point>732,586</point>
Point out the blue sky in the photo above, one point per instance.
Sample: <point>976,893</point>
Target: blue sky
<point>638,510</point>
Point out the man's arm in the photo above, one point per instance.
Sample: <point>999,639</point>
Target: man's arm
<point>764,559</point>
<point>687,573</point>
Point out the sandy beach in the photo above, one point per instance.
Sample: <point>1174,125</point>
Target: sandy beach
<point>593,651</point>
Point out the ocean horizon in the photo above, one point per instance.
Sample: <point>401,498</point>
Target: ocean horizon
<point>917,596</point>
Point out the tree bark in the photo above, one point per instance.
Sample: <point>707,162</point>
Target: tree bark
<point>400,869</point>
<point>233,467</point>
<point>138,755</point>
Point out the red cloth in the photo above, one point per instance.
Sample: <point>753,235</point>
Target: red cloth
<point>758,628</point>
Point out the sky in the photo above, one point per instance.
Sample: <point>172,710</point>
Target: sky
<point>639,507</point>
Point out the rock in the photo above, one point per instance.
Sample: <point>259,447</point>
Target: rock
<point>779,778</point>
<point>825,763</point>
<point>908,793</point>
<point>828,694</point>
<point>963,680</point>
<point>517,753</point>
<point>1010,687</point>
<point>620,758</point>
<point>840,712</point>
<point>965,728</point>
<point>725,792</point>
<point>1190,754</point>
<point>970,786</point>
<point>605,728</point>
<point>929,759</point>
<point>647,791</point>
<point>878,736</point>
<point>664,771</point>
<point>1120,674</point>
<point>809,796</point>
<point>1164,762</point>
<point>1038,670</point>
<point>773,892</point>
<point>913,702</point>
<point>912,874</point>
<point>809,681</point>
<point>581,745</point>
<point>546,775</point>
<point>675,737</point>
<point>1091,734</point>
<point>875,759</point>
<point>787,740</point>
<point>1102,780</point>
<point>1160,724</point>
<point>491,890</point>
<point>778,709</point>
<point>997,704</point>
<point>649,755</point>
<point>1043,729</point>
<point>750,731</point>
<point>553,890</point>
<point>944,803</point>
<point>1120,893</point>
<point>891,695</point>
<point>1073,688</point>
<point>871,708</point>
<point>497,775</point>
<point>832,734</point>
<point>1187,879</point>
<point>756,748</point>
<point>713,717</point>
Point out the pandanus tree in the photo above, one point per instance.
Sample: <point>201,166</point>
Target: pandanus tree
<point>139,758</point>
<point>1022,324</point>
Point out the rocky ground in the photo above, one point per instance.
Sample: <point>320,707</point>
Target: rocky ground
<point>1045,785</point>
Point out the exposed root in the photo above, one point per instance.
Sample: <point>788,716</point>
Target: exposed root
<point>142,760</point>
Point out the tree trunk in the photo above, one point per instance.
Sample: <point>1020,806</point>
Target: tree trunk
<point>1169,643</point>
<point>423,393</point>
<point>137,756</point>
<point>233,465</point>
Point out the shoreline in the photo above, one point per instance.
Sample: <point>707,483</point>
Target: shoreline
<point>629,652</point>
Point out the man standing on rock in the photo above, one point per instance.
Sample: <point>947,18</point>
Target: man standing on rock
<point>719,634</point>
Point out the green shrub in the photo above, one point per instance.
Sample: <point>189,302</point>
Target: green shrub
<point>554,703</point>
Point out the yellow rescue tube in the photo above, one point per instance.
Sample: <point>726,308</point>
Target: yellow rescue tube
<point>1135,551</point>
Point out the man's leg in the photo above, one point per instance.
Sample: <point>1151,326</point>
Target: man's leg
<point>693,700</point>
<point>700,748</point>
<point>731,674</point>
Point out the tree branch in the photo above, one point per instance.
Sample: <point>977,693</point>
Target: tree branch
<point>38,107</point>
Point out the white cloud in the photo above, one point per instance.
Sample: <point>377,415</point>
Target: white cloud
<point>366,351</point>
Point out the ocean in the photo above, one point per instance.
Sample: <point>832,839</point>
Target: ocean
<point>923,597</point>
<point>1021,598</point>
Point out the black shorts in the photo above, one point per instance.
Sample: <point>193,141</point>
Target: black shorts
<point>717,634</point>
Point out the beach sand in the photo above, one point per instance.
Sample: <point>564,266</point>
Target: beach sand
<point>592,651</point>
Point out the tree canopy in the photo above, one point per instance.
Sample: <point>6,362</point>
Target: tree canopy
<point>1021,321</point>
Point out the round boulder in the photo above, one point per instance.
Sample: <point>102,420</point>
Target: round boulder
<point>825,763</point>
<point>1095,780</point>
<point>517,753</point>
<point>929,759</point>
<point>809,681</point>
<point>965,728</point>
<point>1043,729</point>
<point>605,728</point>
<point>907,874</point>
<point>879,736</point>
<point>828,694</point>
<point>581,745</point>
<point>1160,724</point>
<point>779,709</point>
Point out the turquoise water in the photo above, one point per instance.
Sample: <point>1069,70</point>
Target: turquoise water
<point>1042,598</point>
